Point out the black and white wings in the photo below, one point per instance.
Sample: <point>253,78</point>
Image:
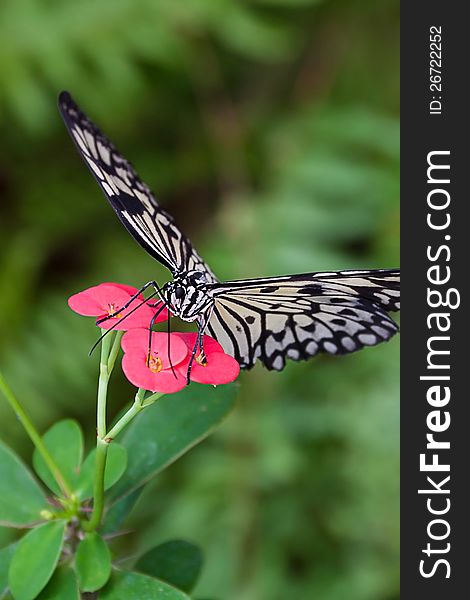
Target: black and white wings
<point>299,316</point>
<point>135,205</point>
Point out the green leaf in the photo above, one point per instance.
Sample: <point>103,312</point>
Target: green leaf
<point>177,562</point>
<point>64,440</point>
<point>92,562</point>
<point>117,513</point>
<point>6,554</point>
<point>7,536</point>
<point>21,498</point>
<point>134,586</point>
<point>62,586</point>
<point>35,559</point>
<point>116,464</point>
<point>166,430</point>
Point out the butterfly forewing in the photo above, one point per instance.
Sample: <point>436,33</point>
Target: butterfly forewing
<point>135,205</point>
<point>299,316</point>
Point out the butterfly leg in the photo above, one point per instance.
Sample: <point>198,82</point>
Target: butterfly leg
<point>152,323</point>
<point>197,345</point>
<point>168,348</point>
<point>202,324</point>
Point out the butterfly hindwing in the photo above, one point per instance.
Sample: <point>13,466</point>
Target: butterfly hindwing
<point>135,205</point>
<point>302,315</point>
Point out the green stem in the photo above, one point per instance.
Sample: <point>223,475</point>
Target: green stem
<point>98,488</point>
<point>103,387</point>
<point>151,399</point>
<point>123,421</point>
<point>35,437</point>
<point>101,443</point>
<point>114,350</point>
<point>134,410</point>
<point>108,357</point>
<point>102,446</point>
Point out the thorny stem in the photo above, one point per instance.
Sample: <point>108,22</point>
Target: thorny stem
<point>139,404</point>
<point>35,438</point>
<point>103,443</point>
<point>114,350</point>
<point>98,487</point>
<point>106,361</point>
<point>103,388</point>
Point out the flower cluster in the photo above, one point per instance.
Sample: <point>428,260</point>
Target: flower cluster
<point>154,361</point>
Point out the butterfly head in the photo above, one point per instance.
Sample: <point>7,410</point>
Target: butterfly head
<point>187,295</point>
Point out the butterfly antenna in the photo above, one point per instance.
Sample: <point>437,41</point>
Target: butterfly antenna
<point>100,339</point>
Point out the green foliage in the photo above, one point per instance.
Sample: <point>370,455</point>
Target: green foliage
<point>92,562</point>
<point>152,443</point>
<point>162,34</point>
<point>21,499</point>
<point>35,559</point>
<point>170,428</point>
<point>119,510</point>
<point>135,586</point>
<point>64,440</point>
<point>115,466</point>
<point>6,554</point>
<point>62,586</point>
<point>269,129</point>
<point>177,562</point>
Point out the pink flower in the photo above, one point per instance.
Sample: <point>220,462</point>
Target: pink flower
<point>154,371</point>
<point>107,298</point>
<point>217,368</point>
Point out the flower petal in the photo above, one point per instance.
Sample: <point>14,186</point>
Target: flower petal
<point>140,318</point>
<point>96,301</point>
<point>220,368</point>
<point>127,288</point>
<point>209,344</point>
<point>140,375</point>
<point>101,300</point>
<point>136,341</point>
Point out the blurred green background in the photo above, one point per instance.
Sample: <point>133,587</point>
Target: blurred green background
<point>269,128</point>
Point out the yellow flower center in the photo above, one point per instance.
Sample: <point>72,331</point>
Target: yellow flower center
<point>154,363</point>
<point>202,360</point>
<point>112,308</point>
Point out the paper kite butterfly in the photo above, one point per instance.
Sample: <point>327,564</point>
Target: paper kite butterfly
<point>267,319</point>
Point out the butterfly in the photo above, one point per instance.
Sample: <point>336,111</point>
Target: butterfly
<point>268,319</point>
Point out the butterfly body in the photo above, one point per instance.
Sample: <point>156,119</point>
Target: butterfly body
<point>264,319</point>
<point>188,296</point>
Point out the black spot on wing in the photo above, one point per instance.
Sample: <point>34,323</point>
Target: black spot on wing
<point>311,290</point>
